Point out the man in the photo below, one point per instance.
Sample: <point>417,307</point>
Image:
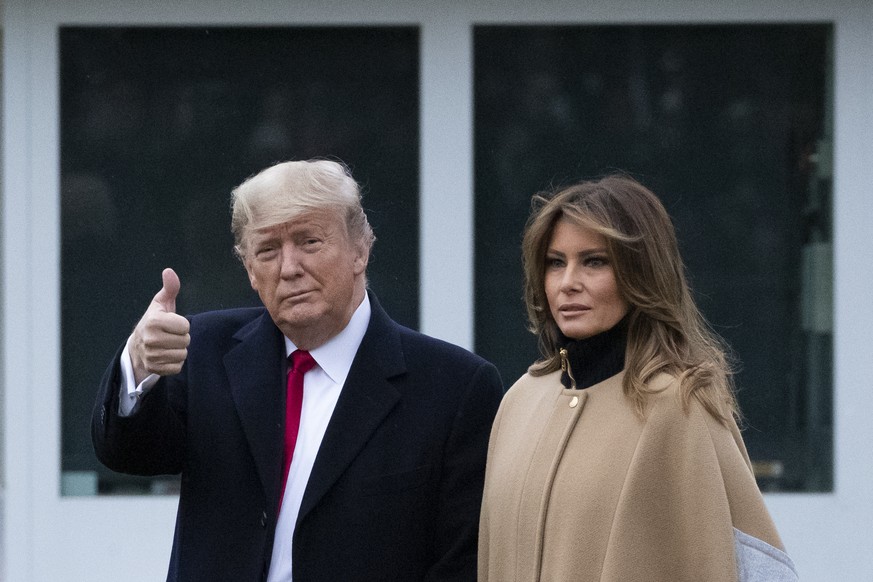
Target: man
<point>384,475</point>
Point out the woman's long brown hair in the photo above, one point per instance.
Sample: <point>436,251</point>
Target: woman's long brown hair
<point>666,331</point>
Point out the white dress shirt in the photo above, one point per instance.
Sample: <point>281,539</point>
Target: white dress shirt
<point>321,390</point>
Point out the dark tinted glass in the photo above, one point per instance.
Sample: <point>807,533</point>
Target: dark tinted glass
<point>157,127</point>
<point>729,125</point>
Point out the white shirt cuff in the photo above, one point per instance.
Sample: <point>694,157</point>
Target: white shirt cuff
<point>128,399</point>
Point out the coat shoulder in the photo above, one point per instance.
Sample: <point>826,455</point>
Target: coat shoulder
<point>226,323</point>
<point>528,386</point>
<point>431,351</point>
<point>227,318</point>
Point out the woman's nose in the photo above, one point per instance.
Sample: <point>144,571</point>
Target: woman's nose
<point>570,282</point>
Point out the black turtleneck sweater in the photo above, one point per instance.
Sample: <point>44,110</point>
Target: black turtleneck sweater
<point>596,358</point>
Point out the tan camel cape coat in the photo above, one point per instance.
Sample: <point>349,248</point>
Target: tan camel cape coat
<point>579,488</point>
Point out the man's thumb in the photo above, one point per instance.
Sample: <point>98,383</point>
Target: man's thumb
<point>166,297</point>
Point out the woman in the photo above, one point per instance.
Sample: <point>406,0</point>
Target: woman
<point>617,457</point>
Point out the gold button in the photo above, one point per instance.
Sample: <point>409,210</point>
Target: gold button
<point>574,401</point>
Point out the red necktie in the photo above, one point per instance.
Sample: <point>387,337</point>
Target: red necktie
<point>301,362</point>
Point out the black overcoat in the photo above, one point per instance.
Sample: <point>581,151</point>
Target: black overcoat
<point>395,491</point>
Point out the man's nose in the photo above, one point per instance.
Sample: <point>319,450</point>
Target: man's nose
<point>291,265</point>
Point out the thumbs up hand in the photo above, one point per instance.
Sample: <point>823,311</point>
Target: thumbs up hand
<point>159,344</point>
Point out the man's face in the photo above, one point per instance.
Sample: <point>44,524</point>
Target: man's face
<point>308,274</point>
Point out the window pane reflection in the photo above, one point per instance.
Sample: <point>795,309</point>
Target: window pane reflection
<point>159,124</point>
<point>730,126</point>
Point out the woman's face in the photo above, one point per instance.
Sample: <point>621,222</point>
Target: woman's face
<point>580,282</point>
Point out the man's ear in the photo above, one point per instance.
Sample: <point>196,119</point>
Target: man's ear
<point>361,264</point>
<point>246,263</point>
<point>361,259</point>
<point>252,279</point>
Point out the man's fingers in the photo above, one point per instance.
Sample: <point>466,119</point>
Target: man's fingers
<point>160,340</point>
<point>162,354</point>
<point>172,324</point>
<point>167,362</point>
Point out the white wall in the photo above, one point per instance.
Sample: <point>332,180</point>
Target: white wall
<point>47,537</point>
<point>2,391</point>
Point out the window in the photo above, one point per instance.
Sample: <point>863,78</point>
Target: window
<point>730,126</point>
<point>157,127</point>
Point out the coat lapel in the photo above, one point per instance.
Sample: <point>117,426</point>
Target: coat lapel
<point>254,370</point>
<point>366,399</point>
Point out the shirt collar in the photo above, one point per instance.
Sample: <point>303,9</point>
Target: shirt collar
<point>336,355</point>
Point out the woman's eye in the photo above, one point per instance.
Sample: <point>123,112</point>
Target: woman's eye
<point>595,261</point>
<point>554,263</point>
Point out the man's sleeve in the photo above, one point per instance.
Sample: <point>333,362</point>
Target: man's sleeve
<point>463,478</point>
<point>148,442</point>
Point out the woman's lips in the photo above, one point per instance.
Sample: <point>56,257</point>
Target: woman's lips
<point>573,309</point>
